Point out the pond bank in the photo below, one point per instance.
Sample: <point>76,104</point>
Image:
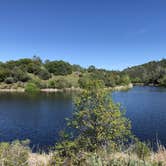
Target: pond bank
<point>49,90</point>
<point>122,87</point>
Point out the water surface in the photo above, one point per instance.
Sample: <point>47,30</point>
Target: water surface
<point>35,117</point>
<point>41,117</point>
<point>146,108</point>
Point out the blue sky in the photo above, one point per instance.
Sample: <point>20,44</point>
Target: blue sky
<point>112,34</point>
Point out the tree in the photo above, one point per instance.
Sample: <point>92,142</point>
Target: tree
<point>59,67</point>
<point>19,75</point>
<point>97,122</point>
<point>109,80</point>
<point>91,68</point>
<point>4,73</point>
<point>125,79</point>
<point>33,68</point>
<point>37,60</point>
<point>44,74</point>
<point>162,81</point>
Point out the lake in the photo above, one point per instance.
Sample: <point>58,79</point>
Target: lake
<point>40,117</point>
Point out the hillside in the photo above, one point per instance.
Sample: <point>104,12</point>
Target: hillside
<point>54,74</point>
<point>153,72</point>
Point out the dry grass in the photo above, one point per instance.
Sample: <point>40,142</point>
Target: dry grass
<point>160,155</point>
<point>36,159</point>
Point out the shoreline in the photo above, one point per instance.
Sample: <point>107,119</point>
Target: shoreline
<point>122,87</point>
<point>51,90</point>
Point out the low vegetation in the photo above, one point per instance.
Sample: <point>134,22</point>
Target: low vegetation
<point>18,153</point>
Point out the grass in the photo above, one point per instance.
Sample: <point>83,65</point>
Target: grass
<point>18,153</point>
<point>97,159</point>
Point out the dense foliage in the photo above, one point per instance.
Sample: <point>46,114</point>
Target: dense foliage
<point>150,73</point>
<point>97,123</point>
<point>55,74</point>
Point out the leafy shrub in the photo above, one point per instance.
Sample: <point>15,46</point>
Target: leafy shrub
<point>62,83</point>
<point>97,122</point>
<point>31,88</point>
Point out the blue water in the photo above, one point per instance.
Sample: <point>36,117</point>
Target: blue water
<point>146,108</point>
<point>41,117</point>
<point>38,118</point>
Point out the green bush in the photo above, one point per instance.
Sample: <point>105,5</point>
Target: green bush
<point>31,88</point>
<point>62,83</point>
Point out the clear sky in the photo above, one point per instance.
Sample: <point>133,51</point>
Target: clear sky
<point>111,34</point>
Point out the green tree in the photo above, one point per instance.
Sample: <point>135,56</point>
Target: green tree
<point>58,67</point>
<point>19,75</point>
<point>91,68</point>
<point>4,73</point>
<point>33,68</point>
<point>125,79</point>
<point>44,74</point>
<point>162,81</point>
<point>97,121</point>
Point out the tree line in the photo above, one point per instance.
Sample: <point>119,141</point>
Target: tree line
<point>153,72</point>
<point>56,74</point>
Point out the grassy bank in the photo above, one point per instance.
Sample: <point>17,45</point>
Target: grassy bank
<point>18,154</point>
<point>103,159</point>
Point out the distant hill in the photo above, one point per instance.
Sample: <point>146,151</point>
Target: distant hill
<point>153,72</point>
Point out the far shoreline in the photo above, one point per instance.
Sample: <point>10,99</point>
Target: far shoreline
<point>72,89</point>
